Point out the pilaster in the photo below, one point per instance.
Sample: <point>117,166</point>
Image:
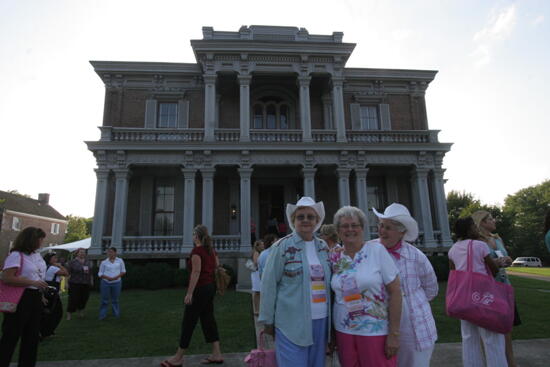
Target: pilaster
<point>209,106</point>
<point>189,208</point>
<point>122,176</point>
<point>343,186</point>
<point>420,177</point>
<point>245,175</point>
<point>309,181</point>
<point>305,109</point>
<point>208,197</point>
<point>244,87</point>
<point>362,197</point>
<point>338,108</point>
<point>100,211</point>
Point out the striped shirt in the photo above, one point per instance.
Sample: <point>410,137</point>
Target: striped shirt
<point>418,286</point>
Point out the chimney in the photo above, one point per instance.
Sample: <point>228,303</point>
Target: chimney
<point>44,199</point>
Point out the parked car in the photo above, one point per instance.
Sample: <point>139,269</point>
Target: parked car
<point>527,261</point>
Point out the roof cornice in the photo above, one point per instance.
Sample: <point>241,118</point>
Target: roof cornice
<point>396,74</point>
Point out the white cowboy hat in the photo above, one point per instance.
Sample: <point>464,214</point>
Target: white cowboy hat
<point>400,213</point>
<point>303,202</point>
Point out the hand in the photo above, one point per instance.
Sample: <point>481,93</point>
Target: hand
<point>40,284</point>
<point>188,299</point>
<point>392,345</point>
<point>269,330</point>
<point>44,301</point>
<point>507,261</point>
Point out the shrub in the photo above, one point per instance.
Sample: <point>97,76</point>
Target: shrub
<point>181,278</point>
<point>157,276</point>
<point>441,267</point>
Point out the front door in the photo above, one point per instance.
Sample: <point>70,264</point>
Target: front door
<point>272,212</point>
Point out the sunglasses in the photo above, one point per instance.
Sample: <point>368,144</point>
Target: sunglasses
<point>309,217</point>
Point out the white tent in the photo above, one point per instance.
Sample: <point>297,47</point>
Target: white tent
<point>85,243</point>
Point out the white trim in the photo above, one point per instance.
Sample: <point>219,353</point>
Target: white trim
<point>13,212</point>
<point>54,228</point>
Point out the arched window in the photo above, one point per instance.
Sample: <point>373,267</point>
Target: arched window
<point>271,113</point>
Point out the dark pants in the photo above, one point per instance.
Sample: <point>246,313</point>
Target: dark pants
<point>51,316</point>
<point>78,296</point>
<point>23,324</point>
<point>202,308</point>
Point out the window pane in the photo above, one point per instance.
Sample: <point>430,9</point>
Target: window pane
<point>271,117</point>
<point>283,117</point>
<point>168,114</point>
<point>369,118</point>
<point>258,117</point>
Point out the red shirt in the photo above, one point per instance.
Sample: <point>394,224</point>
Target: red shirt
<point>208,265</point>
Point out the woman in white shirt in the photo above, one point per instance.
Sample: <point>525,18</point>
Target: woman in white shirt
<point>23,269</point>
<point>111,272</point>
<point>53,311</point>
<point>367,305</point>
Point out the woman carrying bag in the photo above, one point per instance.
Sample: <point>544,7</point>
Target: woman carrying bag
<point>469,256</point>
<point>24,268</point>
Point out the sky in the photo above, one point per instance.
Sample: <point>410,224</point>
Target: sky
<point>489,97</point>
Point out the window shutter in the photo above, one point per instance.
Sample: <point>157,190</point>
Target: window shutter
<point>183,114</point>
<point>355,109</point>
<point>150,113</point>
<point>385,121</point>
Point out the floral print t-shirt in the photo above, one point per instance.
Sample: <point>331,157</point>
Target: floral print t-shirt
<point>359,285</point>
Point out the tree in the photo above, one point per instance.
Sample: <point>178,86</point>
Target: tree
<point>457,202</point>
<point>77,228</point>
<point>527,208</point>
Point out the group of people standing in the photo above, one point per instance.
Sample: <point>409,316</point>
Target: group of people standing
<point>368,298</point>
<point>40,309</point>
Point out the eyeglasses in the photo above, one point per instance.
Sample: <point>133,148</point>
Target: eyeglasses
<point>309,217</point>
<point>387,227</point>
<point>349,226</point>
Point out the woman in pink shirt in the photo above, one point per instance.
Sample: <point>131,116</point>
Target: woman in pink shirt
<point>472,335</point>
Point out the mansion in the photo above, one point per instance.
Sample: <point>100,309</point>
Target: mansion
<point>263,116</point>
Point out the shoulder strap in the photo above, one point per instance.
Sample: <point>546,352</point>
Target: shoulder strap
<point>20,270</point>
<point>469,265</point>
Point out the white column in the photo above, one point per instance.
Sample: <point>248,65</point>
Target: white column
<point>420,177</point>
<point>338,108</point>
<point>441,207</point>
<point>245,174</point>
<point>343,186</point>
<point>362,197</point>
<point>209,106</point>
<point>208,198</point>
<point>309,182</point>
<point>100,212</point>
<point>305,110</point>
<point>188,208</point>
<point>327,112</point>
<point>244,87</point>
<point>120,207</point>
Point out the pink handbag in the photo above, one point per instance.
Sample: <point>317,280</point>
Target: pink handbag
<point>261,357</point>
<point>480,299</point>
<point>9,295</point>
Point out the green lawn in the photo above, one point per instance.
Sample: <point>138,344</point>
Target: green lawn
<point>533,305</point>
<point>149,326</point>
<point>536,271</point>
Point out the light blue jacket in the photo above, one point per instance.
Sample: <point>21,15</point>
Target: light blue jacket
<point>286,289</point>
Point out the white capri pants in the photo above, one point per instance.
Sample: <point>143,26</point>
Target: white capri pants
<point>493,343</point>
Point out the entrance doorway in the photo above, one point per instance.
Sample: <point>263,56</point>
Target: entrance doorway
<point>271,200</point>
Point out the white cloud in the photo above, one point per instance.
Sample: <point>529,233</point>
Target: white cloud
<point>401,34</point>
<point>499,27</point>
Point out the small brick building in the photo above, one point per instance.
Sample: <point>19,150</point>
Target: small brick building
<point>18,212</point>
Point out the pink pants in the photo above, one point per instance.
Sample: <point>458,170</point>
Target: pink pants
<point>363,351</point>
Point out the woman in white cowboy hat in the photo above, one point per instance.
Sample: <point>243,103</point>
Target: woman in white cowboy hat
<point>295,302</point>
<point>396,228</point>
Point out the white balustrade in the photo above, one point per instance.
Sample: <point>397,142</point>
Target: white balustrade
<point>324,136</point>
<point>152,244</point>
<point>276,136</point>
<point>227,243</point>
<point>227,134</point>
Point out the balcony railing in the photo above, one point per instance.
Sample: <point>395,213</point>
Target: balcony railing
<point>109,133</point>
<point>169,244</point>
